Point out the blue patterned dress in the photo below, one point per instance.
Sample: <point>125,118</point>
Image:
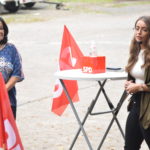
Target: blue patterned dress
<point>11,65</point>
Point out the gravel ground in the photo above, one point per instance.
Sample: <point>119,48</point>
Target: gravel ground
<point>39,44</point>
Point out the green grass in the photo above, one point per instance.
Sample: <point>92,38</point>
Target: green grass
<point>112,3</point>
<point>130,4</point>
<point>87,1</point>
<point>15,18</point>
<point>77,6</point>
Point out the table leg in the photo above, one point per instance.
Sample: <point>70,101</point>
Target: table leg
<point>123,97</point>
<point>76,115</point>
<point>114,111</point>
<point>112,108</point>
<point>90,108</point>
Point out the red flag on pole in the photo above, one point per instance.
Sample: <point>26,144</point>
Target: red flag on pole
<point>9,135</point>
<point>70,58</point>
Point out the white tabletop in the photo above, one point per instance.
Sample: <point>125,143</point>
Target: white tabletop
<point>77,74</point>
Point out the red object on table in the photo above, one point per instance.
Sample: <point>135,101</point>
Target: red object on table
<point>93,64</point>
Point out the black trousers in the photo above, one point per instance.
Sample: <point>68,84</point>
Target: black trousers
<point>134,132</point>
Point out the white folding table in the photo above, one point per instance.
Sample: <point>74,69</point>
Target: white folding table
<point>101,78</point>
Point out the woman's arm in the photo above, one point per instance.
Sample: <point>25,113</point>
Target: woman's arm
<point>136,87</point>
<point>144,87</point>
<point>11,82</point>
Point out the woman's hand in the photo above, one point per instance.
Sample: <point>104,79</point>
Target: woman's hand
<point>131,87</point>
<point>11,82</point>
<point>127,83</point>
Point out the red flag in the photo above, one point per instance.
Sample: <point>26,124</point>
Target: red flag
<point>70,58</point>
<point>9,135</point>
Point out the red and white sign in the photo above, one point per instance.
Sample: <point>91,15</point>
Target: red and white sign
<point>93,64</point>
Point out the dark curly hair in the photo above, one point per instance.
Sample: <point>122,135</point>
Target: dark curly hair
<point>5,27</point>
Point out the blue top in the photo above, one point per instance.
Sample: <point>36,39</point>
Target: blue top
<point>11,65</point>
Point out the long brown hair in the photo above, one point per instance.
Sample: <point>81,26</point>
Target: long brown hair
<point>135,48</point>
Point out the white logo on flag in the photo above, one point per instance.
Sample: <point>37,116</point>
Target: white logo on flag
<point>11,140</point>
<point>73,59</point>
<point>17,147</point>
<point>58,90</point>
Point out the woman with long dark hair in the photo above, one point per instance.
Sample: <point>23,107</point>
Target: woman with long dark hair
<point>10,64</point>
<point>138,84</point>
